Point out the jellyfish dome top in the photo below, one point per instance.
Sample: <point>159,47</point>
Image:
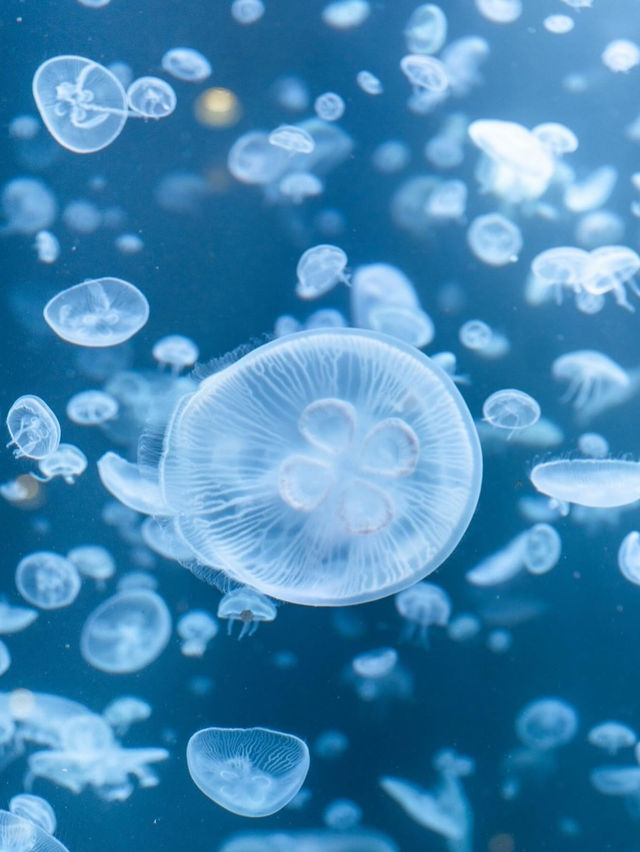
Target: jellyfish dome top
<point>21,834</point>
<point>328,467</point>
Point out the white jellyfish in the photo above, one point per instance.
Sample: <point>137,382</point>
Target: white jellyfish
<point>186,63</point>
<point>251,772</point>
<point>67,461</point>
<point>598,483</point>
<point>247,606</point>
<point>151,97</point>
<point>34,428</point>
<point>319,269</point>
<point>546,723</point>
<point>47,580</point>
<point>91,407</point>
<point>421,606</point>
<point>494,239</point>
<point>196,628</point>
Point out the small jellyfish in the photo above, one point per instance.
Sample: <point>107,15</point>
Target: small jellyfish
<point>542,548</point>
<point>92,407</point>
<point>369,83</point>
<point>598,483</point>
<point>185,63</point>
<point>426,29</point>
<point>196,628</point>
<point>254,160</point>
<point>342,814</point>
<point>5,658</point>
<point>425,72</point>
<point>494,239</point>
<point>500,11</point>
<point>13,619</point>
<point>558,138</point>
<point>612,736</point>
<point>247,12</point>
<point>128,243</point>
<point>621,55</point>
<point>128,483</point>
<point>252,772</point>
<point>346,14</point>
<point>35,809</point>
<point>296,186</point>
<point>319,269</point>
<point>126,633</point>
<point>47,246</point>
<point>99,312</point>
<point>151,97</point>
<point>421,606</point>
<point>249,607</point>
<point>329,106</point>
<point>478,336</point>
<point>511,409</point>
<point>330,745</point>
<point>47,580</point>
<point>83,217</point>
<point>67,461</point>
<point>596,382</point>
<point>34,428</point>
<point>93,561</point>
<point>124,711</point>
<point>593,445</point>
<point>629,557</point>
<point>558,24</point>
<point>18,834</point>
<point>375,664</point>
<point>546,723</point>
<point>28,206</point>
<point>175,351</point>
<point>294,140</point>
<point>82,104</point>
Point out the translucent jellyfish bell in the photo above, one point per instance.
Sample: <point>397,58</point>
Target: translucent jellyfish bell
<point>186,64</point>
<point>151,97</point>
<point>47,580</point>
<point>421,606</point>
<point>91,407</point>
<point>252,772</point>
<point>175,351</point>
<point>247,606</point>
<point>35,809</point>
<point>546,723</point>
<point>34,428</point>
<point>319,269</point>
<point>100,312</point>
<point>18,834</point>
<point>360,468</point>
<point>126,632</point>
<point>67,461</point>
<point>294,140</point>
<point>612,736</point>
<point>511,409</point>
<point>598,483</point>
<point>494,239</point>
<point>196,628</point>
<point>82,104</point>
<point>426,29</point>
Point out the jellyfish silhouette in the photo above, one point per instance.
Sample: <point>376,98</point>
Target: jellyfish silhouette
<point>328,467</point>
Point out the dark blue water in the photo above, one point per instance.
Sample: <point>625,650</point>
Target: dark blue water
<point>221,274</point>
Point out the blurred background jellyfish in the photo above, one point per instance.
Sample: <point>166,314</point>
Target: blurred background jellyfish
<point>546,723</point>
<point>421,606</point>
<point>252,772</point>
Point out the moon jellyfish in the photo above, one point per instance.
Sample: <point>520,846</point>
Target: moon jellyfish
<point>426,29</point>
<point>91,407</point>
<point>28,206</point>
<point>558,24</point>
<point>596,382</point>
<point>501,566</point>
<point>247,12</point>
<point>593,445</point>
<point>319,269</point>
<point>67,461</point>
<point>616,780</point>
<point>151,97</point>
<point>329,106</point>
<point>34,428</point>
<point>82,104</point>
<point>186,64</point>
<point>294,140</point>
<point>629,557</point>
<point>254,160</point>
<point>13,619</point>
<point>35,809</point>
<point>47,580</point>
<point>500,11</point>
<point>128,484</point>
<point>546,723</point>
<point>175,351</point>
<point>476,335</point>
<point>612,736</point>
<point>598,483</point>
<point>123,712</point>
<point>252,772</point>
<point>369,83</point>
<point>359,467</point>
<point>425,72</point>
<point>342,814</point>
<point>99,312</point>
<point>47,246</point>
<point>494,239</point>
<point>346,14</point>
<point>621,55</point>
<point>93,561</point>
<point>542,548</point>
<point>196,628</point>
<point>18,834</point>
<point>421,606</point>
<point>511,409</point>
<point>5,658</point>
<point>375,664</point>
<point>126,633</point>
<point>249,607</point>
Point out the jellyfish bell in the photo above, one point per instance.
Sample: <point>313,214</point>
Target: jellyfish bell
<point>82,104</point>
<point>338,443</point>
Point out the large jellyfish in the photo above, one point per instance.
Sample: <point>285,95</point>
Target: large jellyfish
<point>329,467</point>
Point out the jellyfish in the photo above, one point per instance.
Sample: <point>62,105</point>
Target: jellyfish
<point>476,335</point>
<point>91,407</point>
<point>319,269</point>
<point>81,103</point>
<point>35,809</point>
<point>28,205</point>
<point>34,428</point>
<point>501,566</point>
<point>14,619</point>
<point>151,97</point>
<point>546,723</point>
<point>122,712</point>
<point>47,246</point>
<point>329,106</point>
<point>425,72</point>
<point>47,580</point>
<point>353,456</point>
<point>612,736</point>
<point>342,814</point>
<point>629,557</point>
<point>247,12</point>
<point>421,606</point>
<point>426,29</point>
<point>186,64</point>
<point>511,409</point>
<point>67,461</point>
<point>5,658</point>
<point>375,664</point>
<point>542,548</point>
<point>175,351</point>
<point>252,772</point>
<point>621,55</point>
<point>23,835</point>
<point>127,482</point>
<point>249,607</point>
<point>596,382</point>
<point>346,14</point>
<point>500,11</point>
<point>598,483</point>
<point>494,239</point>
<point>369,83</point>
<point>93,560</point>
<point>126,633</point>
<point>196,628</point>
